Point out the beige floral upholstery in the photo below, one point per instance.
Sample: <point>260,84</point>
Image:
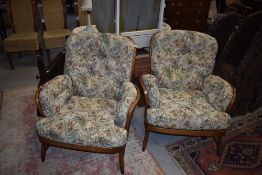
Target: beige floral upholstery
<point>186,109</point>
<point>55,94</point>
<point>90,103</point>
<point>152,89</point>
<point>218,92</point>
<point>126,98</point>
<point>110,63</point>
<point>182,93</point>
<point>183,59</point>
<point>84,121</point>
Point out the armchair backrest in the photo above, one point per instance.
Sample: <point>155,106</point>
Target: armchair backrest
<point>182,59</point>
<point>98,63</point>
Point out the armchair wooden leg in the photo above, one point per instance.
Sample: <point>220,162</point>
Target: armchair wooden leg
<point>122,161</point>
<point>10,61</point>
<point>218,140</point>
<point>145,139</point>
<point>44,148</point>
<point>48,55</point>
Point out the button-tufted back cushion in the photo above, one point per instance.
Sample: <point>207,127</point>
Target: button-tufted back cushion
<point>182,59</point>
<point>98,63</point>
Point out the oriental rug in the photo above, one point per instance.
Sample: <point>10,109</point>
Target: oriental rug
<point>20,148</point>
<point>242,153</point>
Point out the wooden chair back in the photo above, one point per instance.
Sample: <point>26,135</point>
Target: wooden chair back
<point>22,15</point>
<point>54,14</point>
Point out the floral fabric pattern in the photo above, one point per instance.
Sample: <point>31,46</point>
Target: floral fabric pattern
<point>93,59</point>
<point>186,109</point>
<point>182,59</point>
<point>84,121</point>
<point>151,85</point>
<point>89,104</point>
<point>126,98</point>
<point>182,92</point>
<point>218,92</point>
<point>54,94</point>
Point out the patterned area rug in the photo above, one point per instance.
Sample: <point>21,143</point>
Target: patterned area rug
<point>242,153</point>
<point>20,148</point>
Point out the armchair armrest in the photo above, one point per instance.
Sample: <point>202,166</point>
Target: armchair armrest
<point>219,93</point>
<point>151,90</point>
<point>129,97</point>
<point>53,95</point>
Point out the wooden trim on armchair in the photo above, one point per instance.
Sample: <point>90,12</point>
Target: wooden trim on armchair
<point>233,101</point>
<point>45,143</point>
<point>80,147</point>
<point>131,110</point>
<point>204,133</point>
<point>38,104</point>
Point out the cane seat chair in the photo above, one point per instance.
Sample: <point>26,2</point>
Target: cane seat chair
<point>181,95</point>
<point>56,31</point>
<point>90,107</point>
<point>24,38</point>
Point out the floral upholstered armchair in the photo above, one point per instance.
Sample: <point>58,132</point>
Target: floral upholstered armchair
<point>182,97</point>
<point>89,108</point>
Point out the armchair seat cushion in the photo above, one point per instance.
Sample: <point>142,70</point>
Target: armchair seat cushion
<point>84,121</point>
<point>186,109</point>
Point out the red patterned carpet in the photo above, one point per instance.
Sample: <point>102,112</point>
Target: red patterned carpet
<point>242,154</point>
<point>20,148</point>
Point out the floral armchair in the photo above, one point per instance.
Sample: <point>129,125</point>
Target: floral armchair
<point>182,97</point>
<point>89,108</point>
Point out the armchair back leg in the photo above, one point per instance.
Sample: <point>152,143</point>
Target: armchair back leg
<point>44,148</point>
<point>121,160</point>
<point>219,144</point>
<point>145,138</point>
